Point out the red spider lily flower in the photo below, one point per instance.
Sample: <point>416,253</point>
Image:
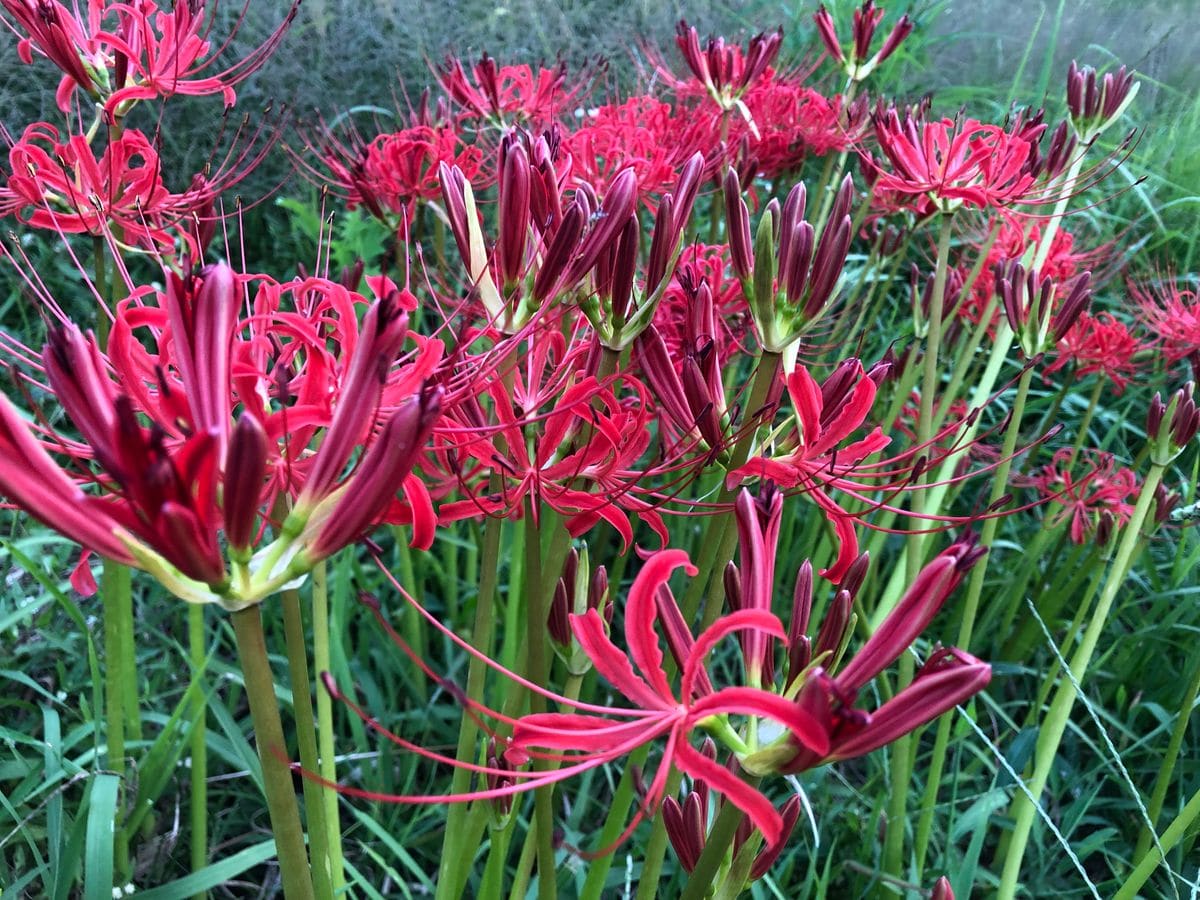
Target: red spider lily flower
<point>683,320</point>
<point>792,122</point>
<point>858,65</point>
<point>1037,321</point>
<point>687,825</point>
<point>170,470</point>
<point>564,440</point>
<point>826,415</point>
<point>1099,344</point>
<point>724,71</point>
<point>947,678</point>
<point>1101,488</point>
<point>123,52</point>
<point>505,95</point>
<point>65,187</point>
<point>791,275</point>
<point>955,162</point>
<point>1171,312</point>
<point>641,133</point>
<point>392,172</point>
<point>663,711</point>
<point>545,246</point>
<point>1095,103</point>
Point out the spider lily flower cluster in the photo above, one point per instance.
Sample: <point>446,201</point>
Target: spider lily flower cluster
<point>162,496</point>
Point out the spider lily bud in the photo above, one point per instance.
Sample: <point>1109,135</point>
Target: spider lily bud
<point>726,71</point>
<point>1095,103</point>
<point>942,890</point>
<point>859,65</point>
<point>1171,426</point>
<point>245,467</point>
<point>577,590</point>
<point>1029,306</point>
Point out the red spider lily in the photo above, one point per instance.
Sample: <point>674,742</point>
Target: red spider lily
<point>687,825</point>
<point>1171,312</point>
<point>562,439</point>
<point>165,492</point>
<point>505,95</point>
<point>1101,489</point>
<point>947,678</point>
<point>391,173</point>
<point>792,122</point>
<point>1099,344</point>
<point>1037,321</point>
<point>123,52</point>
<point>545,245</point>
<point>826,415</point>
<point>641,133</point>
<point>791,275</point>
<point>1014,238</point>
<point>724,71</point>
<point>65,187</point>
<point>661,710</point>
<point>955,162</point>
<point>1095,103</point>
<point>857,64</point>
<point>683,321</point>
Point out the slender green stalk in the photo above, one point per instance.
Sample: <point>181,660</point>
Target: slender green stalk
<point>306,738</point>
<point>614,822</point>
<point>198,774</point>
<point>1173,835</point>
<point>970,612</point>
<point>117,596</point>
<point>451,874</point>
<point>414,623</point>
<point>1055,724</point>
<point>327,766</point>
<point>277,774</point>
<point>1162,781</point>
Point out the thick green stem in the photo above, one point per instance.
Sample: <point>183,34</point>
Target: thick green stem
<point>451,874</point>
<point>120,671</point>
<point>306,738</point>
<point>327,765</point>
<point>1055,724</point>
<point>198,774</point>
<point>1173,835</point>
<point>414,623</point>
<point>970,611</point>
<point>277,774</point>
<point>618,812</point>
<point>1163,780</point>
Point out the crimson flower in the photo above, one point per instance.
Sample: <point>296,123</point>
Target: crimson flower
<point>663,711</point>
<point>955,162</point>
<point>1099,344</point>
<point>1092,489</point>
<point>1171,311</point>
<point>122,52</point>
<point>160,471</point>
<point>506,95</point>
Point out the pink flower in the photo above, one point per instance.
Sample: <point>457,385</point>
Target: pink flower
<point>1090,489</point>
<point>1099,344</point>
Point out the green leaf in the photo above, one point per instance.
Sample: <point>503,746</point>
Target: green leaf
<point>211,876</point>
<point>98,851</point>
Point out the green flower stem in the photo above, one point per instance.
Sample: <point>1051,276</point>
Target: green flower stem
<point>1163,780</point>
<point>120,672</point>
<point>327,765</point>
<point>198,774</point>
<point>537,671</point>
<point>1055,723</point>
<point>1081,437</point>
<point>306,738</point>
<point>618,811</point>
<point>720,535</point>
<point>277,774</point>
<point>720,839</point>
<point>413,623</point>
<point>967,626</point>
<point>656,847</point>
<point>902,751</point>
<point>1034,550</point>
<point>1173,835</point>
<point>451,874</point>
